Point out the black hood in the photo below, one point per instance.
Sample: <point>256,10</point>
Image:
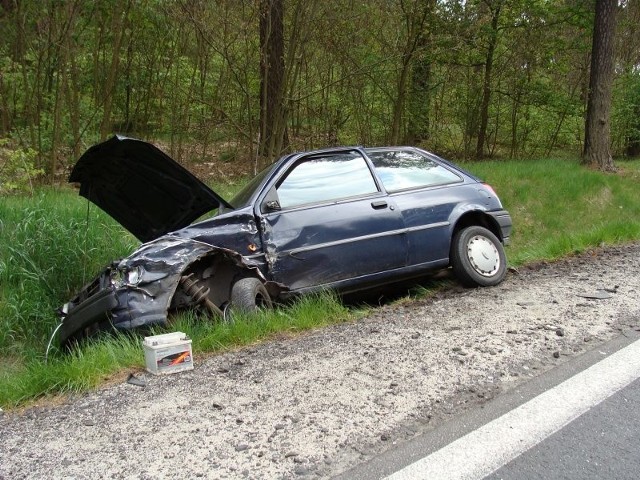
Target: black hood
<point>141,187</point>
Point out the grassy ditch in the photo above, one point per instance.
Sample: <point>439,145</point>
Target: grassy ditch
<point>50,245</point>
<point>101,359</point>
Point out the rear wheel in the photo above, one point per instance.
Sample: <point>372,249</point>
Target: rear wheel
<point>250,294</point>
<point>478,257</point>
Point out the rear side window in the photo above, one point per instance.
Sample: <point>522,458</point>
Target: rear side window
<point>405,169</point>
<point>326,178</point>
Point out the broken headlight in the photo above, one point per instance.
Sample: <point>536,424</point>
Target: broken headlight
<point>122,276</point>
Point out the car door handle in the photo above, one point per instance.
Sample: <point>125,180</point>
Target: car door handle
<point>377,205</point>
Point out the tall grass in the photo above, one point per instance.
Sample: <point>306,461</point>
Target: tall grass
<point>307,312</point>
<point>50,247</point>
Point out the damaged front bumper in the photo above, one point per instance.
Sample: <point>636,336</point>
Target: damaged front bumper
<point>132,292</point>
<point>102,305</point>
<point>93,311</point>
<point>138,290</point>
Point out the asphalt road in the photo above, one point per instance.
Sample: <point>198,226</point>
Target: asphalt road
<point>579,421</point>
<point>602,443</point>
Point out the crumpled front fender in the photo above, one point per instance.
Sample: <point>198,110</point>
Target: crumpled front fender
<point>145,284</point>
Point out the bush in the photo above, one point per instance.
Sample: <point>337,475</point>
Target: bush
<point>18,169</point>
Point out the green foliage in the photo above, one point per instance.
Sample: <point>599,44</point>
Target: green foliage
<point>626,115</point>
<point>18,170</point>
<point>189,76</point>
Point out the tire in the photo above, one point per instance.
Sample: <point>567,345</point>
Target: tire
<point>249,295</point>
<point>477,257</point>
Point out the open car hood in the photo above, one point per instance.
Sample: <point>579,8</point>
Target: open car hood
<point>141,187</point>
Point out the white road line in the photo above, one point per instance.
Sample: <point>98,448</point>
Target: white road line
<point>486,449</point>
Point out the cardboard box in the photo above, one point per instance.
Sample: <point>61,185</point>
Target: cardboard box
<point>168,353</point>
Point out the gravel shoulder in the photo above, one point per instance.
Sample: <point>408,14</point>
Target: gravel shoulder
<point>317,404</point>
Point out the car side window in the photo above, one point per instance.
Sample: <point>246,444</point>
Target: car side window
<point>405,169</point>
<point>326,178</point>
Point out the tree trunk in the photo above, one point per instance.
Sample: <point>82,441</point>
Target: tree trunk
<point>420,100</point>
<point>398,105</point>
<point>486,86</point>
<point>414,71</point>
<point>118,28</point>
<point>272,109</point>
<point>597,141</point>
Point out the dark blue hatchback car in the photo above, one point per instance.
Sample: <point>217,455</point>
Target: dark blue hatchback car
<point>347,218</point>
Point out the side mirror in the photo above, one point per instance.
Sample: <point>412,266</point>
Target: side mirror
<point>270,202</point>
<point>272,206</point>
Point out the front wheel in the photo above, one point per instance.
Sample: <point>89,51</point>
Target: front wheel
<point>249,294</point>
<point>478,257</point>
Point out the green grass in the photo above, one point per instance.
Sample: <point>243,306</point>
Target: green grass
<point>560,208</point>
<point>81,370</point>
<point>96,362</point>
<point>307,312</point>
<point>49,249</point>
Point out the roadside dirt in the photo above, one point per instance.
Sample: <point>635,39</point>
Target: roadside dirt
<point>315,405</point>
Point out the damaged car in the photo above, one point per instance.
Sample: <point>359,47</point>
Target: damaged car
<point>348,219</point>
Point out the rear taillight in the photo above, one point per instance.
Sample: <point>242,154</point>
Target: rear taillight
<point>490,188</point>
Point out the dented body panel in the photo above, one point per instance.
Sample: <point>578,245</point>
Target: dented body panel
<point>312,245</point>
<point>341,218</point>
<point>125,301</point>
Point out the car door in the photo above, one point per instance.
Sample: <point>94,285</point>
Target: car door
<point>326,221</point>
<point>425,192</point>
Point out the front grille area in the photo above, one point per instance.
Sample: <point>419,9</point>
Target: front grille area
<point>97,284</point>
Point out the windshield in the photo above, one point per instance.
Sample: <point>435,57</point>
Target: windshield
<point>243,197</point>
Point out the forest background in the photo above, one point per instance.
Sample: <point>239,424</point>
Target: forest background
<point>467,79</point>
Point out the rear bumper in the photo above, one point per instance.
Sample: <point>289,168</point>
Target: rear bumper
<point>503,220</point>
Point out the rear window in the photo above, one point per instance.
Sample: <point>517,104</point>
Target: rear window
<point>406,169</point>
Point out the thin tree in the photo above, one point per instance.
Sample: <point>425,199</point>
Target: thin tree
<point>597,141</point>
<point>272,109</point>
<point>494,8</point>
